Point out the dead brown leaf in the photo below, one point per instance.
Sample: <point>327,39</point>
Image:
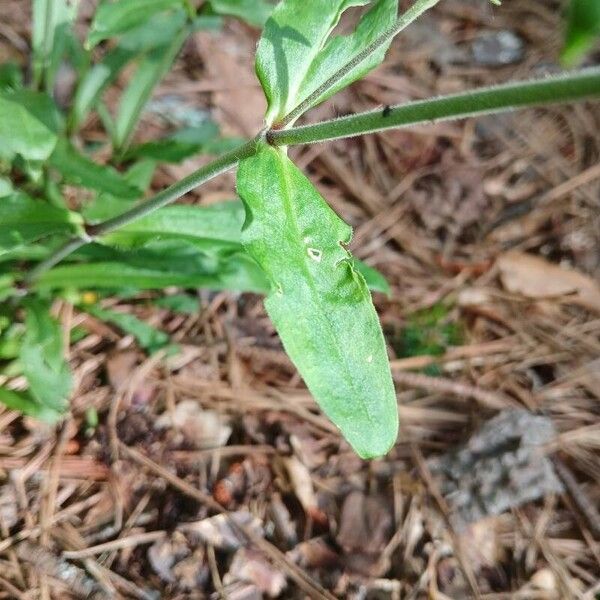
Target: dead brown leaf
<point>535,277</point>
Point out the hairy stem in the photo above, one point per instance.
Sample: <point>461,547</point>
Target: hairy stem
<point>413,13</point>
<point>563,88</point>
<point>568,87</point>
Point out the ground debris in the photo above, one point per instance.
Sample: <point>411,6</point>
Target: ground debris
<point>251,566</point>
<point>218,531</point>
<point>502,466</point>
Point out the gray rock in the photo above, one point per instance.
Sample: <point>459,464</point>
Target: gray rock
<point>498,48</point>
<point>502,466</point>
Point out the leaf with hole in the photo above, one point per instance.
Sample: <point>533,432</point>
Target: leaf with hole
<point>297,51</point>
<point>319,304</point>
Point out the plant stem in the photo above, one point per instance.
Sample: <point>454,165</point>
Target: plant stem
<point>413,13</point>
<point>563,88</point>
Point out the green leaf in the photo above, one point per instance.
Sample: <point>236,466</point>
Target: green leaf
<point>11,76</point>
<point>51,21</point>
<point>216,230</point>
<point>255,12</point>
<point>159,30</point>
<point>160,265</point>
<point>150,70</point>
<point>583,29</point>
<point>148,337</point>
<point>79,170</point>
<point>115,18</point>
<point>180,303</point>
<point>28,406</point>
<point>213,229</point>
<point>96,80</point>
<point>106,206</point>
<point>24,220</point>
<point>177,146</point>
<point>42,359</point>
<point>6,187</point>
<point>319,304</point>
<point>375,281</point>
<point>297,53</point>
<point>29,122</point>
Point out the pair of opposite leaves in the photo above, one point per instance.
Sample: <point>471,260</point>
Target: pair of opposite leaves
<point>320,306</point>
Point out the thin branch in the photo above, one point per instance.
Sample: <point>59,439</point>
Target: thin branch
<point>567,87</point>
<point>413,13</point>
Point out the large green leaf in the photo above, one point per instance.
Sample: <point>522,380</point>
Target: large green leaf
<point>29,123</point>
<point>255,12</point>
<point>213,229</point>
<point>42,360</point>
<point>120,16</point>
<point>319,304</point>
<point>583,29</point>
<point>297,53</point>
<point>24,220</point>
<point>82,171</point>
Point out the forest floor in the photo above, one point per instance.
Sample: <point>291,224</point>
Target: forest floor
<point>211,473</point>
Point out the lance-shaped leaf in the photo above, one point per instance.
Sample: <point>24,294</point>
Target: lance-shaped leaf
<point>78,169</point>
<point>297,52</point>
<point>214,229</point>
<point>319,304</point>
<point>161,264</point>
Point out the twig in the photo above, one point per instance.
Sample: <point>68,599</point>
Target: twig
<point>488,399</point>
<point>127,542</point>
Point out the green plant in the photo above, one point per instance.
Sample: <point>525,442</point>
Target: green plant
<point>582,29</point>
<point>283,241</point>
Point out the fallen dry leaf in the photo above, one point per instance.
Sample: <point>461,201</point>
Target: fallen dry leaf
<point>251,566</point>
<point>365,524</point>
<point>535,277</point>
<point>219,532</point>
<point>303,487</point>
<point>200,428</point>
